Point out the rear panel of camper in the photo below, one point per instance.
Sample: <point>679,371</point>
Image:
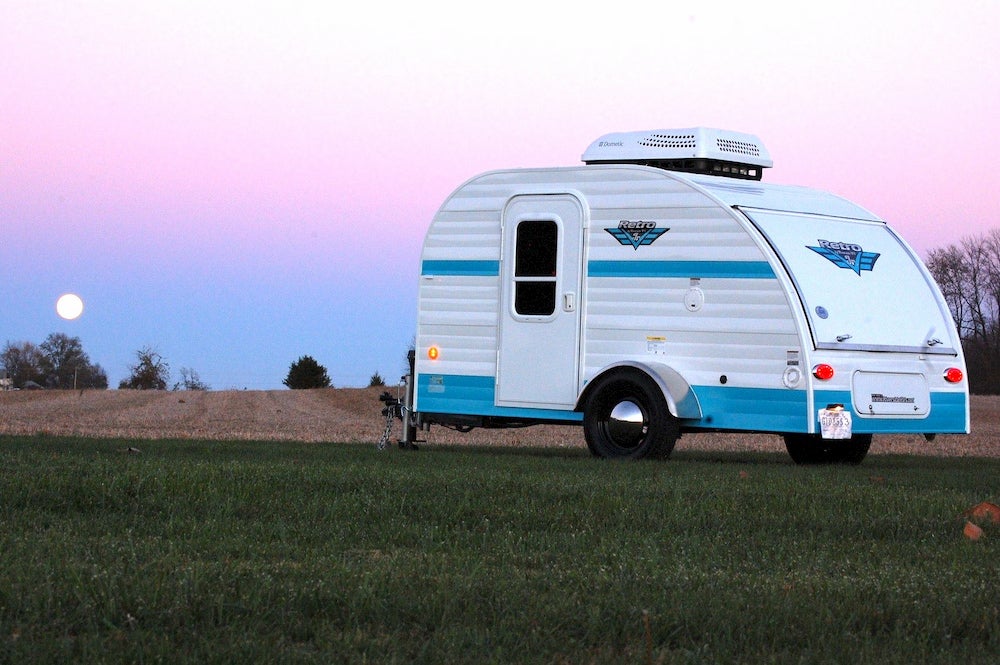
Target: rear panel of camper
<point>871,310</point>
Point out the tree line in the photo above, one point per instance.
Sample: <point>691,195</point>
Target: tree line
<point>968,274</point>
<point>61,363</point>
<point>58,362</point>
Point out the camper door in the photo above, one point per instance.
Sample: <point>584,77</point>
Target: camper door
<point>538,364</point>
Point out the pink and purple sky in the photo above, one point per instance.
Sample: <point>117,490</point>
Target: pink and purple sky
<point>237,184</point>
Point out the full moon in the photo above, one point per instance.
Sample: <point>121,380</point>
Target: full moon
<point>69,306</point>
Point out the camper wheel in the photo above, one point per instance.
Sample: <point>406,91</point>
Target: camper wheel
<point>626,416</point>
<point>811,449</point>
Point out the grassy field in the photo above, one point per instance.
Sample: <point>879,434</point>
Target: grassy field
<point>282,552</point>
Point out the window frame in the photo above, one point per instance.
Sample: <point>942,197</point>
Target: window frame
<point>555,255</point>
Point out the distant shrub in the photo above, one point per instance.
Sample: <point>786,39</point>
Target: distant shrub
<point>306,373</point>
<point>376,381</point>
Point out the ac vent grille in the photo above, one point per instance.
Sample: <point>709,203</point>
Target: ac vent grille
<point>739,147</point>
<point>669,141</point>
<point>702,150</point>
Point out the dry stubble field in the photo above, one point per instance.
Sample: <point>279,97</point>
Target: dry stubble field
<point>353,415</point>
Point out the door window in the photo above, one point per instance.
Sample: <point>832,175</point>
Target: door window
<point>535,255</point>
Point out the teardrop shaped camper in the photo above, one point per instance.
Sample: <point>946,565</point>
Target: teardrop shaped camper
<point>663,288</point>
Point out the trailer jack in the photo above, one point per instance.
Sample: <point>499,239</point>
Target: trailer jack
<point>396,408</point>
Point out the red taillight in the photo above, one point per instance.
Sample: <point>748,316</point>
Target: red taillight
<point>823,372</point>
<point>953,375</point>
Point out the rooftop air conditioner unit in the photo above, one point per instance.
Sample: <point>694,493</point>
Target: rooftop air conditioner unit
<point>695,150</point>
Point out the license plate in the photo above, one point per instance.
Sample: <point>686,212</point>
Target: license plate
<point>835,423</point>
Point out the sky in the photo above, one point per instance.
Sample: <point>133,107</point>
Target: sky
<point>238,184</point>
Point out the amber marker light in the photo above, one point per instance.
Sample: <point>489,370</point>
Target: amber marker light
<point>823,372</point>
<point>953,375</point>
<point>433,353</point>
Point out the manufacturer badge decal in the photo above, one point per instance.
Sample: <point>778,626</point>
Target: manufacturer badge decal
<point>846,255</point>
<point>636,233</point>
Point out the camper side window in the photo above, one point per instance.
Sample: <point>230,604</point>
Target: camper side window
<point>535,255</point>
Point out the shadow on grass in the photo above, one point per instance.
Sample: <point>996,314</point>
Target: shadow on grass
<point>873,463</point>
<point>677,457</point>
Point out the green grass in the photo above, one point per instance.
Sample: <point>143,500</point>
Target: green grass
<point>277,552</point>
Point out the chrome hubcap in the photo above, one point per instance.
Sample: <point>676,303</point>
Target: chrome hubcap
<point>626,424</point>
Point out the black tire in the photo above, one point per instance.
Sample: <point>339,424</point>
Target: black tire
<point>626,417</point>
<point>853,450</point>
<point>812,449</point>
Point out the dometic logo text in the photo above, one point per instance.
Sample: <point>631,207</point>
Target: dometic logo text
<point>636,233</point>
<point>610,144</point>
<point>846,255</point>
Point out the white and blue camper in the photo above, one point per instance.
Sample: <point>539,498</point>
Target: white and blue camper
<point>662,288</point>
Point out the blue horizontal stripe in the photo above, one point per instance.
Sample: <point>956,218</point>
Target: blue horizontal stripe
<point>472,268</point>
<point>723,407</point>
<point>947,415</point>
<point>683,269</point>
<point>729,269</point>
<point>476,396</point>
<point>751,409</point>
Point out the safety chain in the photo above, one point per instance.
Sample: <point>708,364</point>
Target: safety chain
<point>393,409</point>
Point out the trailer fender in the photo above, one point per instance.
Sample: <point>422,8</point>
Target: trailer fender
<point>681,400</point>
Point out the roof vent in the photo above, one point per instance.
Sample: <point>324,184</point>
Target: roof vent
<point>696,150</point>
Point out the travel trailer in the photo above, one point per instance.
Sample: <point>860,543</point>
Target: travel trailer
<point>662,288</point>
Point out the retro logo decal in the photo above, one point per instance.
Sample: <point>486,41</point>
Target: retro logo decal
<point>636,233</point>
<point>846,255</point>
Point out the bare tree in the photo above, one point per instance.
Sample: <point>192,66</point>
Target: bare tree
<point>151,371</point>
<point>969,277</point>
<point>948,267</point>
<point>190,381</point>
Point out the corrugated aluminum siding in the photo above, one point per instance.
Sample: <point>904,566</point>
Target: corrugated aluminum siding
<point>743,330</point>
